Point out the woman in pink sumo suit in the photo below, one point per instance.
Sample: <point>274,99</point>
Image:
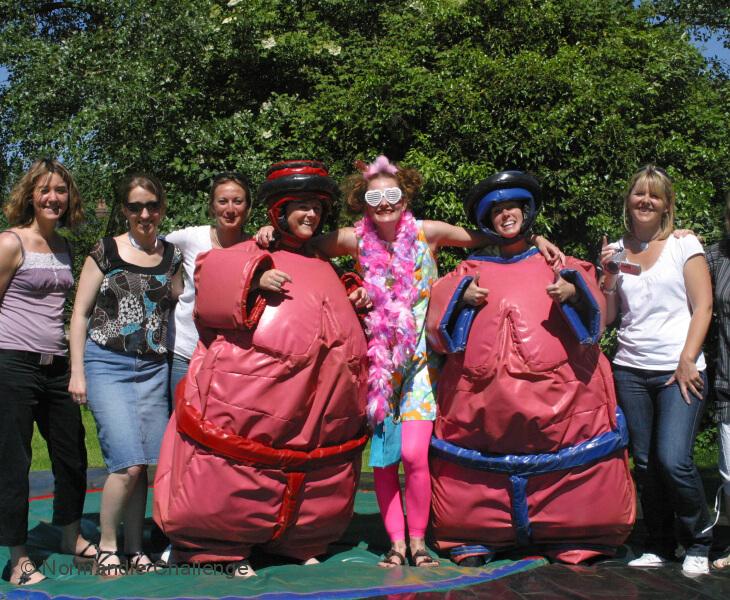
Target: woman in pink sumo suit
<point>529,446</point>
<point>264,446</point>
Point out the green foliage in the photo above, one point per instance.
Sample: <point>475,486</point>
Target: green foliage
<point>706,447</point>
<point>580,93</point>
<point>702,15</point>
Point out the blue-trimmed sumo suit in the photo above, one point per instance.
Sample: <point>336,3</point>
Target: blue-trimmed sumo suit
<point>529,445</point>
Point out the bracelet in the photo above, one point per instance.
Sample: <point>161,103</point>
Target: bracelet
<point>609,291</point>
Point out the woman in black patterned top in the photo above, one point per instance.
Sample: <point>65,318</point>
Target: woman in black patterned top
<point>127,287</point>
<point>718,259</point>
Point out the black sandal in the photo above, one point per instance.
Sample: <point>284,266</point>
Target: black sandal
<point>427,559</point>
<point>133,563</point>
<point>25,575</point>
<point>107,570</point>
<point>388,563</point>
<point>82,557</point>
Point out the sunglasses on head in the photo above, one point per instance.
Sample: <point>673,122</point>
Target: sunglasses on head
<point>153,206</point>
<point>651,167</point>
<point>375,197</point>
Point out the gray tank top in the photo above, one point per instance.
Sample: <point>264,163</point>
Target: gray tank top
<point>31,310</point>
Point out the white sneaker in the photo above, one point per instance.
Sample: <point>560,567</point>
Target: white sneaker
<point>695,565</point>
<point>166,555</point>
<point>648,559</point>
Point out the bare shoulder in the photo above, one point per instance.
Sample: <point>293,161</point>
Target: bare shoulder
<point>10,245</point>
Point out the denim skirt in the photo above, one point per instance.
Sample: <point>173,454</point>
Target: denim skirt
<point>127,395</point>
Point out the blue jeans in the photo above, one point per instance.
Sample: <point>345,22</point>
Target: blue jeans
<point>178,369</point>
<point>663,428</point>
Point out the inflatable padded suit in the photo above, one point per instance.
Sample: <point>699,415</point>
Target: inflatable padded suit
<point>528,448</point>
<point>265,444</point>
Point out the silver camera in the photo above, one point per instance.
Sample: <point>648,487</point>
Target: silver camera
<point>619,263</point>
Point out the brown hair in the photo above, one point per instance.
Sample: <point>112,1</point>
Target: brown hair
<point>659,184</point>
<point>355,186</point>
<point>146,182</point>
<point>230,177</point>
<point>19,207</point>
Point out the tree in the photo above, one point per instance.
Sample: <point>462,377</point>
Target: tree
<point>581,93</point>
<point>701,15</point>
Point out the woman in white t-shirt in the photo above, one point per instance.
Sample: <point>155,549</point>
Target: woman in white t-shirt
<point>660,286</point>
<point>229,203</point>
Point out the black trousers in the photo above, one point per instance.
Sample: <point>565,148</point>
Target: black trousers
<point>30,392</point>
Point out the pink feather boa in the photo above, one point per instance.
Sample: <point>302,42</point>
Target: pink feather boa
<point>390,325</point>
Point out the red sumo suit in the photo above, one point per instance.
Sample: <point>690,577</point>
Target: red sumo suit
<point>529,446</point>
<point>265,444</point>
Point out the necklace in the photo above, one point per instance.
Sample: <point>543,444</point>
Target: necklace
<point>217,240</point>
<point>643,245</point>
<point>138,246</point>
<point>388,271</point>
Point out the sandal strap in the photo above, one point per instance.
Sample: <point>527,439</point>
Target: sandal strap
<point>393,553</point>
<point>427,558</point>
<point>25,577</point>
<point>133,562</point>
<point>89,546</point>
<point>103,555</point>
<point>108,570</point>
<point>134,557</point>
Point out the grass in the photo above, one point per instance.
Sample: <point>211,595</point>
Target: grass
<point>41,462</point>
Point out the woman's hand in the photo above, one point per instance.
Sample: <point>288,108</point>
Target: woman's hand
<point>273,280</point>
<point>552,254</point>
<point>90,281</point>
<point>360,299</point>
<point>688,378</point>
<point>561,290</point>
<point>680,233</point>
<point>264,236</point>
<point>607,252</point>
<point>77,388</point>
<point>475,295</point>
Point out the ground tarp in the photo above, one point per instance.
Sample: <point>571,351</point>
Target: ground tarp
<point>349,571</point>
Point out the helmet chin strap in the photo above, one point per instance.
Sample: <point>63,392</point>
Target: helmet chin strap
<point>277,217</point>
<point>484,207</point>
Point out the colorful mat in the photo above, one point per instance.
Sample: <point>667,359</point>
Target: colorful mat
<point>349,571</point>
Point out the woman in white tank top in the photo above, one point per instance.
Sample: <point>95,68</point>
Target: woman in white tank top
<point>660,286</point>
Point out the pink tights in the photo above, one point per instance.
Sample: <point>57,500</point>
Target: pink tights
<point>416,436</point>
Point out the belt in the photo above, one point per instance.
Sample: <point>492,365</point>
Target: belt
<point>37,358</point>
